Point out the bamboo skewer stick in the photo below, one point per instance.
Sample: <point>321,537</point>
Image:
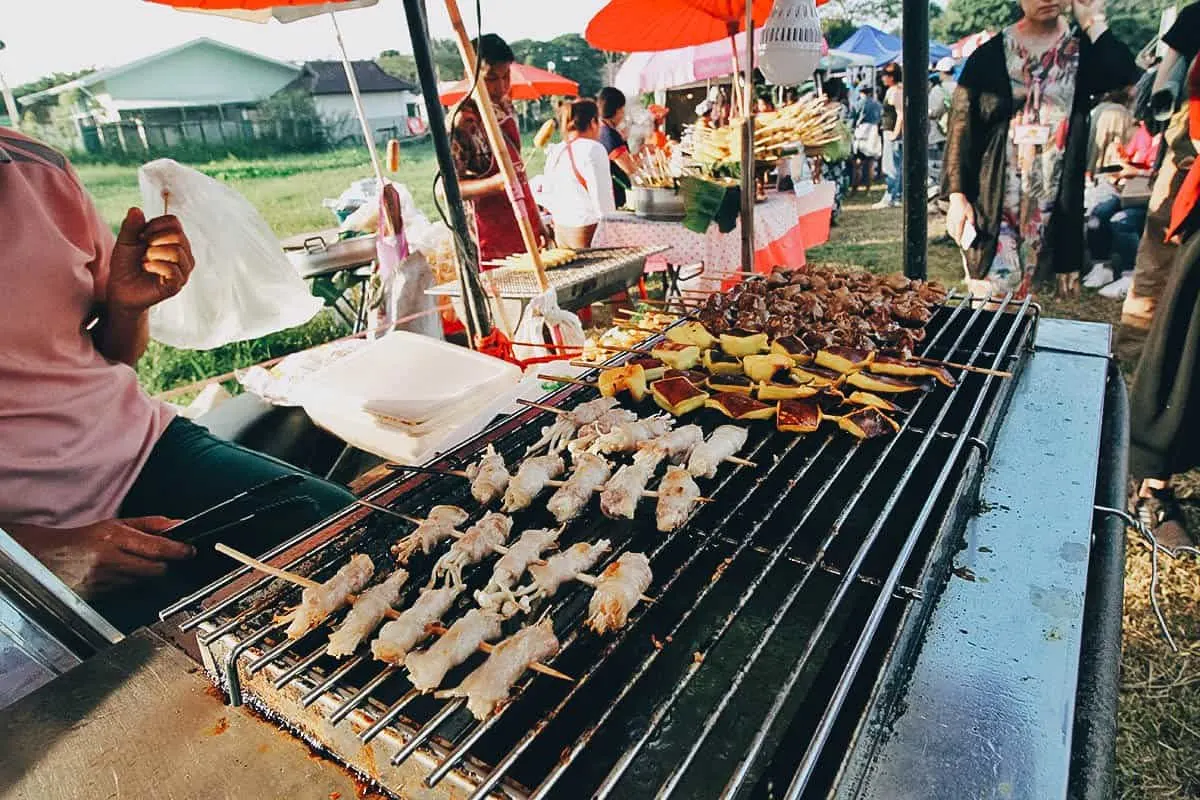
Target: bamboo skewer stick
<point>541,406</point>
<point>262,566</point>
<point>562,379</point>
<point>998,373</point>
<point>485,647</point>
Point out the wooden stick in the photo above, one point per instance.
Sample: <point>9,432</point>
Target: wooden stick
<point>386,510</point>
<point>561,379</point>
<point>540,406</point>
<point>485,647</point>
<point>262,566</point>
<point>547,346</point>
<point>741,461</point>
<point>998,373</point>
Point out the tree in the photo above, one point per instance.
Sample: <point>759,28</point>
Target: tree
<point>447,61</point>
<point>837,30</point>
<point>573,58</point>
<point>881,13</point>
<point>48,81</point>
<point>397,64</point>
<point>964,17</point>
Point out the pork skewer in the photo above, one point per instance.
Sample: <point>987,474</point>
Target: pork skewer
<point>618,590</point>
<point>489,684</point>
<point>318,602</point>
<point>427,668</point>
<point>629,436</point>
<point>368,611</point>
<point>589,476</point>
<point>441,524</point>
<point>489,477</point>
<point>620,495</point>
<point>555,436</point>
<point>482,538</point>
<point>677,444</point>
<point>677,496</point>
<point>525,552</point>
<point>720,446</point>
<point>402,634</point>
<point>532,477</point>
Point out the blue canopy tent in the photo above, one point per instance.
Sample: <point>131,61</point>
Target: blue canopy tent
<point>883,47</point>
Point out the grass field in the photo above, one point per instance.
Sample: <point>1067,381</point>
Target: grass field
<point>1160,696</point>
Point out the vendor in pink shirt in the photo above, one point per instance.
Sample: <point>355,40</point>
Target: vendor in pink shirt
<point>91,468</point>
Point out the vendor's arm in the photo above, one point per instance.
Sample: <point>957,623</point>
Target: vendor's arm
<point>150,262</point>
<point>104,555</point>
<point>473,188</point>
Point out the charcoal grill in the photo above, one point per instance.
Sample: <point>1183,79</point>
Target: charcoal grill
<point>788,615</point>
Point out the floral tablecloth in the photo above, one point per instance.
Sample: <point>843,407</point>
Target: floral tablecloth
<point>784,226</point>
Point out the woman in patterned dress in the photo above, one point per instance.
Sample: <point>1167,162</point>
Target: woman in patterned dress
<point>1018,141</point>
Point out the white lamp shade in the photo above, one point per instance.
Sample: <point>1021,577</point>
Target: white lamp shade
<point>789,47</point>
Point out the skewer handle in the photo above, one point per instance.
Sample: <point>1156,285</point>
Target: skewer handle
<point>388,511</point>
<point>561,379</point>
<point>457,473</point>
<point>743,462</point>
<point>998,373</point>
<point>542,406</point>
<point>266,568</point>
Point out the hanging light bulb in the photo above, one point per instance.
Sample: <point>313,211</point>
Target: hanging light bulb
<point>789,47</point>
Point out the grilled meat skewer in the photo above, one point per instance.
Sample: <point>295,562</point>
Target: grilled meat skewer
<point>402,634</point>
<point>677,496</point>
<point>531,479</point>
<point>590,474</point>
<point>489,684</point>
<point>441,524</point>
<point>368,611</point>
<point>427,668</point>
<point>724,442</point>
<point>489,477</point>
<point>318,602</point>
<point>557,435</point>
<point>618,590</point>
<point>481,539</point>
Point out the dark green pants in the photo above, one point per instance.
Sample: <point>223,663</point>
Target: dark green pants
<point>190,470</point>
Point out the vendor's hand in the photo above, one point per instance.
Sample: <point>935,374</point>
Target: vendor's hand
<point>150,262</point>
<point>104,555</point>
<point>959,214</point>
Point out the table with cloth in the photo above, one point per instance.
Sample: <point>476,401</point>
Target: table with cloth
<point>785,225</point>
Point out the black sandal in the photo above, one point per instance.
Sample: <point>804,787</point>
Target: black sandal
<point>1164,517</point>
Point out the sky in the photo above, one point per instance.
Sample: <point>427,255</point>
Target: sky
<point>44,36</point>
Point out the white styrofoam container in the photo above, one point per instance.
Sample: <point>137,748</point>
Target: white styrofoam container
<point>445,392</point>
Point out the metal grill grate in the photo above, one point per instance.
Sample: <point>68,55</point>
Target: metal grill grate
<point>617,266</point>
<point>769,603</point>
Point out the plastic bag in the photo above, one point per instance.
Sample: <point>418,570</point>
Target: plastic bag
<point>243,286</point>
<point>404,275</point>
<point>539,322</point>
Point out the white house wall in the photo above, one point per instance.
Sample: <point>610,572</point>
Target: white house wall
<point>204,74</point>
<point>383,109</point>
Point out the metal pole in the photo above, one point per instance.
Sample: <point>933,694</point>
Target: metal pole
<point>916,139</point>
<point>478,321</point>
<point>352,81</point>
<point>748,147</point>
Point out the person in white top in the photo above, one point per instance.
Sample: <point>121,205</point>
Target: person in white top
<point>577,189</point>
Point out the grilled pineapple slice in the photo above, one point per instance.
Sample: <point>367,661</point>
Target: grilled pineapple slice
<point>630,378</point>
<point>691,333</point>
